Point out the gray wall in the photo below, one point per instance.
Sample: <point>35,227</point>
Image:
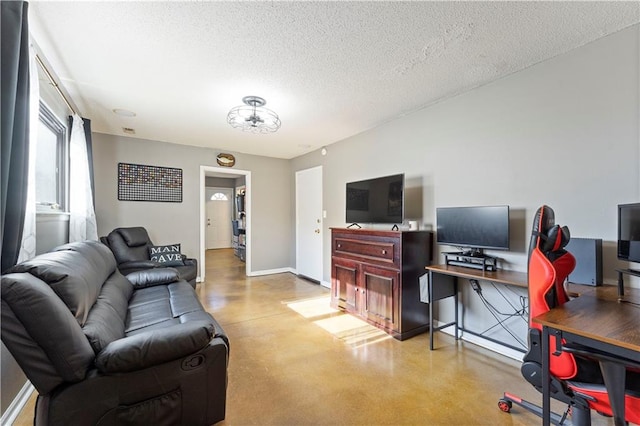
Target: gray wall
<point>564,132</point>
<point>216,182</point>
<point>270,197</point>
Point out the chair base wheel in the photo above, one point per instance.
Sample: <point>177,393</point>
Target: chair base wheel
<point>505,405</point>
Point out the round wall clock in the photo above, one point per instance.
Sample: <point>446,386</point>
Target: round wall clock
<point>226,160</point>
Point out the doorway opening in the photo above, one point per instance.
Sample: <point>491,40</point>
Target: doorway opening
<point>225,173</point>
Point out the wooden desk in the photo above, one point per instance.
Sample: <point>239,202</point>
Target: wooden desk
<point>596,320</point>
<point>443,283</point>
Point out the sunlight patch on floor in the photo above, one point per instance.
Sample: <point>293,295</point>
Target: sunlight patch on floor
<point>351,330</point>
<point>312,308</point>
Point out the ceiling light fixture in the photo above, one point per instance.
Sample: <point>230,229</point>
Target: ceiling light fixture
<point>123,112</point>
<point>253,117</point>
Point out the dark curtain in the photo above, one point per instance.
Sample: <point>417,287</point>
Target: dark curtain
<point>87,136</point>
<point>14,68</point>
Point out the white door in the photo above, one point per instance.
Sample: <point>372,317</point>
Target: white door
<point>309,223</point>
<point>219,212</point>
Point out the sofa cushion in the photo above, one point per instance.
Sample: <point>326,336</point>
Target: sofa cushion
<point>168,255</point>
<point>75,272</point>
<point>161,305</point>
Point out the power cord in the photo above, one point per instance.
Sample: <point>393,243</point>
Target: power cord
<point>521,312</point>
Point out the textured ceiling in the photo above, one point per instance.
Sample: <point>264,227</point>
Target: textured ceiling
<point>329,69</point>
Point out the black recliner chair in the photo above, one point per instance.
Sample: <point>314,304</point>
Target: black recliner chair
<point>576,376</point>
<point>131,247</point>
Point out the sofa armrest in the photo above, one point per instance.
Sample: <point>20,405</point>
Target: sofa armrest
<point>189,261</point>
<point>153,277</point>
<point>137,265</point>
<point>154,347</point>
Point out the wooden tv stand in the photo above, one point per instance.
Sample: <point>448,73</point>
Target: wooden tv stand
<point>375,276</point>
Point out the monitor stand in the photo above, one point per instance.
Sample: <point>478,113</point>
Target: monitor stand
<point>621,273</point>
<point>354,225</point>
<point>471,259</point>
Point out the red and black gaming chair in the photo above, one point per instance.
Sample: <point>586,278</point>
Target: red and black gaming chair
<point>576,377</point>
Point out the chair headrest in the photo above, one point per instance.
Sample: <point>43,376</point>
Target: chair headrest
<point>555,239</point>
<point>546,235</point>
<point>542,222</point>
<point>134,236</point>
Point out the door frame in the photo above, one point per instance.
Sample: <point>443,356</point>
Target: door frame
<point>203,213</point>
<point>322,233</point>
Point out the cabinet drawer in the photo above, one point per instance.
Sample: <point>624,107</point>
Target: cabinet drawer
<point>380,251</point>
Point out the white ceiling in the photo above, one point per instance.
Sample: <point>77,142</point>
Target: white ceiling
<point>329,69</point>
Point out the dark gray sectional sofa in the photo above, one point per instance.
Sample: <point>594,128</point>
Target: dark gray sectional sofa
<point>103,349</point>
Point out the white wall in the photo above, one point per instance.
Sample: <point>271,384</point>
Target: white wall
<point>564,132</point>
<point>179,222</point>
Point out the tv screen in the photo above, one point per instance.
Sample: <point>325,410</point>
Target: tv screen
<point>485,227</point>
<point>629,232</point>
<point>379,200</point>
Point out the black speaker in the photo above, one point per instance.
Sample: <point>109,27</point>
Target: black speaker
<point>588,254</point>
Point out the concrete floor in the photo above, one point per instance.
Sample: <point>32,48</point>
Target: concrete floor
<point>294,361</point>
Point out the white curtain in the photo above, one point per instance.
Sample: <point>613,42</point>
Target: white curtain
<point>28,245</point>
<point>82,221</point>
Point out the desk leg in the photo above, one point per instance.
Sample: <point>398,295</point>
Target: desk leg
<point>455,301</point>
<point>430,288</point>
<point>614,376</point>
<point>546,379</point>
<point>620,285</point>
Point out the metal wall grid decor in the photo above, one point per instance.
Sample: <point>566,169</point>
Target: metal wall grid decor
<point>139,182</point>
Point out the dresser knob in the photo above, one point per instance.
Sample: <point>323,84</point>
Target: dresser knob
<point>384,252</point>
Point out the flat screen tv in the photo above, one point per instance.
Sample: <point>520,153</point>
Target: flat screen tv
<point>379,200</point>
<point>629,232</point>
<point>475,228</point>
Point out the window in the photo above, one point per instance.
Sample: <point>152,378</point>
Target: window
<point>219,196</point>
<point>51,163</point>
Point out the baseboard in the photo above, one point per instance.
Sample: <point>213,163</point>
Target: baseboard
<point>18,403</point>
<point>293,271</point>
<point>487,344</point>
<point>272,271</point>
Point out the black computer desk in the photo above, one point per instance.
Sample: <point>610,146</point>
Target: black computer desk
<point>443,283</point>
<point>598,320</point>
